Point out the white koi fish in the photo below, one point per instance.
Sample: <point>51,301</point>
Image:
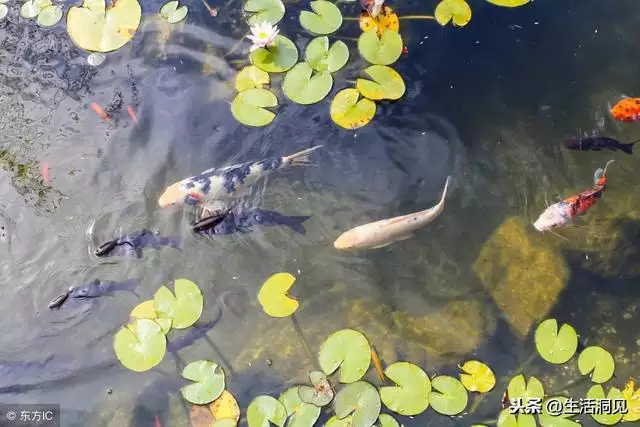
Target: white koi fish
<point>387,231</point>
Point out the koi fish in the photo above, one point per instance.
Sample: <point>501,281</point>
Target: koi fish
<point>132,114</point>
<point>156,422</point>
<point>244,221</point>
<point>599,143</point>
<point>132,244</point>
<point>45,173</point>
<point>377,363</point>
<point>228,182</point>
<point>95,289</point>
<point>100,111</point>
<point>626,110</point>
<point>387,231</point>
<point>563,212</point>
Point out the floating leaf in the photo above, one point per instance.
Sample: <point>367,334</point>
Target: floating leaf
<point>320,394</point>
<point>509,3</point>
<point>597,392</point>
<point>349,113</point>
<point>448,397</point>
<point>225,407</point>
<point>277,58</point>
<point>633,401</point>
<point>271,11</point>
<point>185,308</point>
<point>321,57</point>
<point>326,19</point>
<point>360,400</point>
<point>411,395</point>
<point>518,389</point>
<point>349,350</point>
<point>225,422</point>
<point>49,16</point>
<point>140,345</point>
<point>251,77</point>
<point>380,50</point>
<point>477,376</point>
<point>555,419</point>
<point>147,310</point>
<point>31,8</point>
<point>249,107</point>
<point>300,414</point>
<point>506,419</point>
<point>456,10</point>
<point>95,60</point>
<point>265,409</point>
<point>386,20</point>
<point>302,87</point>
<point>4,10</point>
<point>337,422</point>
<point>387,420</point>
<point>598,360</point>
<point>387,84</point>
<point>273,295</point>
<point>200,416</point>
<point>208,380</point>
<point>172,13</point>
<point>556,347</point>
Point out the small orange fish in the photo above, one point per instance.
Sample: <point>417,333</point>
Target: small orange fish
<point>377,363</point>
<point>100,111</point>
<point>45,173</point>
<point>156,422</point>
<point>132,114</point>
<point>627,110</point>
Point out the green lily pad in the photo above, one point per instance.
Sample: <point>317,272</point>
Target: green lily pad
<point>349,112</point>
<point>326,19</point>
<point>519,389</point>
<point>559,416</point>
<point>302,87</point>
<point>172,13</point>
<point>251,77</point>
<point>225,422</point>
<point>277,58</point>
<point>147,310</point>
<point>209,382</point>
<point>555,346</point>
<point>386,420</point>
<point>320,394</point>
<point>300,414</point>
<point>31,8</point>
<point>140,345</point>
<point>349,350</point>
<point>509,3</point>
<point>249,107</point>
<point>411,395</point>
<point>321,57</point>
<point>184,309</point>
<point>598,361</point>
<point>387,84</point>
<point>271,11</point>
<point>380,50</point>
<point>597,392</point>
<point>49,16</point>
<point>506,419</point>
<point>337,422</point>
<point>4,11</point>
<point>456,10</point>
<point>360,400</point>
<point>448,397</point>
<point>265,409</point>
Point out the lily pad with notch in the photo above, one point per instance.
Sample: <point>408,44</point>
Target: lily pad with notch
<point>411,394</point>
<point>172,13</point>
<point>320,394</point>
<point>277,58</point>
<point>304,86</point>
<point>597,392</point>
<point>300,414</point>
<point>264,410</point>
<point>507,419</point>
<point>448,395</point>
<point>597,361</point>
<point>518,388</point>
<point>457,11</point>
<point>49,16</point>
<point>509,3</point>
<point>31,8</point>
<point>477,376</point>
<point>382,49</point>
<point>386,420</point>
<point>271,11</point>
<point>326,18</point>
<point>273,295</point>
<point>184,308</point>
<point>361,401</point>
<point>209,382</point>
<point>350,112</point>
<point>147,310</point>
<point>321,57</point>
<point>556,346</point>
<point>251,77</point>
<point>337,422</point>
<point>140,345</point>
<point>348,350</point>
<point>557,420</point>
<point>386,84</point>
<point>249,107</point>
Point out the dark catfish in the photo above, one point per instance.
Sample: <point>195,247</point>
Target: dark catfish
<point>599,143</point>
<point>132,244</point>
<point>244,222</point>
<point>95,289</point>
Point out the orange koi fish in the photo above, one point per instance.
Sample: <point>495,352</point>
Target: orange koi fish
<point>377,363</point>
<point>100,111</point>
<point>627,110</point>
<point>45,173</point>
<point>156,422</point>
<point>561,213</point>
<point>132,114</point>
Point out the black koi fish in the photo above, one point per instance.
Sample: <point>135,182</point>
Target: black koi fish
<point>132,244</point>
<point>95,289</point>
<point>244,221</point>
<point>598,143</point>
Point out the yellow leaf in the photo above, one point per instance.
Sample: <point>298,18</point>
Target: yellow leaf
<point>386,84</point>
<point>633,401</point>
<point>225,406</point>
<point>273,295</point>
<point>456,10</point>
<point>509,3</point>
<point>349,113</point>
<point>477,377</point>
<point>386,20</point>
<point>147,310</point>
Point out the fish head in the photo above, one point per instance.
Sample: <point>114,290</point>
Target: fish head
<point>172,195</point>
<point>553,217</point>
<point>349,240</point>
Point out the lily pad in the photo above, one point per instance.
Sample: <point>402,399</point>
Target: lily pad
<point>200,416</point>
<point>599,362</point>
<point>208,380</point>
<point>321,57</point>
<point>300,414</point>
<point>602,417</point>
<point>349,112</point>
<point>448,397</point>
<point>386,420</point>
<point>633,401</point>
<point>185,308</point>
<point>555,346</point>
<point>337,422</point>
<point>326,19</point>
<point>320,394</point>
<point>519,389</point>
<point>225,407</point>
<point>225,422</point>
<point>273,295</point>
<point>271,11</point>
<point>172,13</point>
<point>456,10</point>
<point>360,400</point>
<point>249,107</point>
<point>303,87</point>
<point>277,58</point>
<point>506,419</point>
<point>147,310</point>
<point>509,3</point>
<point>349,350</point>
<point>477,377</point>
<point>265,409</point>
<point>382,49</point>
<point>4,11</point>
<point>251,77</point>
<point>49,16</point>
<point>140,345</point>
<point>31,8</point>
<point>387,84</point>
<point>411,395</point>
<point>553,419</point>
<point>386,20</point>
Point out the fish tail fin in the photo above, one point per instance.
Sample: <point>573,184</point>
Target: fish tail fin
<point>628,148</point>
<point>446,187</point>
<point>301,158</point>
<point>295,223</point>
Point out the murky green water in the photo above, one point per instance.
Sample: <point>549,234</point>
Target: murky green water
<point>487,104</point>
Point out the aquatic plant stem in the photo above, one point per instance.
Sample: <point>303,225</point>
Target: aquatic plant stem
<point>417,17</point>
<point>296,326</point>
<point>237,45</point>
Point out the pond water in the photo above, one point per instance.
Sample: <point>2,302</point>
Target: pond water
<point>488,104</point>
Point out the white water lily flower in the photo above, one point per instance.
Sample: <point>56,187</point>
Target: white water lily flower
<point>263,35</point>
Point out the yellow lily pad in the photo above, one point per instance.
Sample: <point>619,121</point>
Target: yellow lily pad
<point>184,308</point>
<point>208,382</point>
<point>94,27</point>
<point>140,345</point>
<point>147,310</point>
<point>633,401</point>
<point>251,77</point>
<point>387,84</point>
<point>32,8</point>
<point>457,10</point>
<point>349,112</point>
<point>477,376</point>
<point>225,406</point>
<point>273,295</point>
<point>386,20</point>
<point>509,3</point>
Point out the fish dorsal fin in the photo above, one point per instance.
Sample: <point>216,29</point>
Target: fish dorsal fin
<point>382,245</point>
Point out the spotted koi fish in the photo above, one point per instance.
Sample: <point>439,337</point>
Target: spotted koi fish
<point>219,185</point>
<point>626,110</point>
<point>563,212</point>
